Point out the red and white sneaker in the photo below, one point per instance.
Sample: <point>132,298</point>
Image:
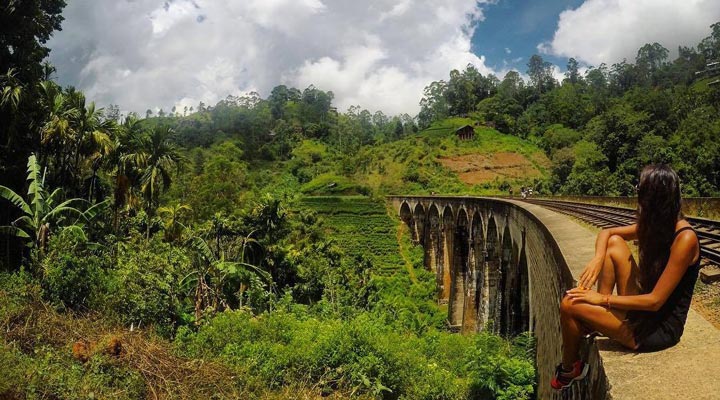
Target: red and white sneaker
<point>563,379</point>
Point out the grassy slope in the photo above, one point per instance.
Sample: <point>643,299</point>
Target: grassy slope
<point>361,227</point>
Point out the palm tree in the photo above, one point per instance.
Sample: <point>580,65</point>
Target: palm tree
<point>41,212</point>
<point>57,131</point>
<point>269,215</point>
<point>11,90</point>
<point>92,142</point>
<point>121,170</point>
<point>155,157</point>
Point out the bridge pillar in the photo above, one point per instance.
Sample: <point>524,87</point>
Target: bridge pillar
<point>459,269</point>
<point>432,240</point>
<point>446,255</point>
<point>472,310</point>
<point>493,277</point>
<point>506,282</point>
<point>419,221</point>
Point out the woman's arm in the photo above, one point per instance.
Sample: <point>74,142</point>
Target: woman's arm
<point>592,269</point>
<point>682,253</point>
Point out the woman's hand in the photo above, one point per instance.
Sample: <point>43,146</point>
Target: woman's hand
<point>578,295</point>
<point>590,274</point>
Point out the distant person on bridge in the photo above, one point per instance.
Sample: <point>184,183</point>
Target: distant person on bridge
<point>648,312</point>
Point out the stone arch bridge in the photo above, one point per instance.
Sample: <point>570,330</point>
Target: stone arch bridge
<point>498,267</point>
<point>479,258</point>
<point>479,250</point>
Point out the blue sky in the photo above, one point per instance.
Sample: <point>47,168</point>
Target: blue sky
<point>518,26</point>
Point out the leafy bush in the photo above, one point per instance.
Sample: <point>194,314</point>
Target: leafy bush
<point>332,184</point>
<point>74,275</point>
<point>145,287</point>
<point>363,355</point>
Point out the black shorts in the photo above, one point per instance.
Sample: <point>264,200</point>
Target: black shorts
<point>655,338</point>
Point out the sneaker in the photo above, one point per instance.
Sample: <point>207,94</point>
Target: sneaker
<point>592,335</point>
<point>562,379</point>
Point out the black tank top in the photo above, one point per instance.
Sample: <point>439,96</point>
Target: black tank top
<point>663,328</point>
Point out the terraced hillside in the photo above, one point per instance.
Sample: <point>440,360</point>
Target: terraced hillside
<point>360,226</point>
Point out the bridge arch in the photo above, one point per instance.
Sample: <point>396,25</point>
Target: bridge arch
<point>522,293</point>
<point>407,216</point>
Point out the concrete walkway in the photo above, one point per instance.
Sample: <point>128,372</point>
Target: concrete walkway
<point>689,370</point>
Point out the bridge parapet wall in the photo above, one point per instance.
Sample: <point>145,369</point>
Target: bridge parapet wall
<point>499,268</point>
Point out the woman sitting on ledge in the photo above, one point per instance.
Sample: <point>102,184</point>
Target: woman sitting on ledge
<point>648,312</point>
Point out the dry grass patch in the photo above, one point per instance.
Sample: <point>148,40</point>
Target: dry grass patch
<point>474,169</point>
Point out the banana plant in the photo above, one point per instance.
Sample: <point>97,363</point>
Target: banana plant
<point>41,211</point>
<point>172,217</point>
<point>214,270</point>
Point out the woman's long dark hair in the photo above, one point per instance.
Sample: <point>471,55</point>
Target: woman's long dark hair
<point>659,209</point>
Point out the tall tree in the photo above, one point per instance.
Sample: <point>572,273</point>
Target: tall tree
<point>434,104</point>
<point>540,72</point>
<point>460,94</point>
<point>710,46</point>
<point>25,28</point>
<point>649,61</point>
<point>573,74</point>
<point>623,76</point>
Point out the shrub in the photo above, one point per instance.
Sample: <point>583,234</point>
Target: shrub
<point>73,275</point>
<point>331,184</point>
<point>362,355</point>
<point>145,287</point>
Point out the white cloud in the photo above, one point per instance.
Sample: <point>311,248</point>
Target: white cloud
<point>610,30</point>
<point>378,54</point>
<point>397,10</point>
<point>557,74</point>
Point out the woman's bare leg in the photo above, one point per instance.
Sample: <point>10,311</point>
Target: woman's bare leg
<point>619,268</point>
<point>576,316</point>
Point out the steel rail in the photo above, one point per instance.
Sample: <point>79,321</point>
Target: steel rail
<point>708,231</point>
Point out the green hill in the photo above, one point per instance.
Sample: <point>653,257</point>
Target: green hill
<point>433,160</point>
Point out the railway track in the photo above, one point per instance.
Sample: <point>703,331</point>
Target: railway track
<point>708,231</point>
